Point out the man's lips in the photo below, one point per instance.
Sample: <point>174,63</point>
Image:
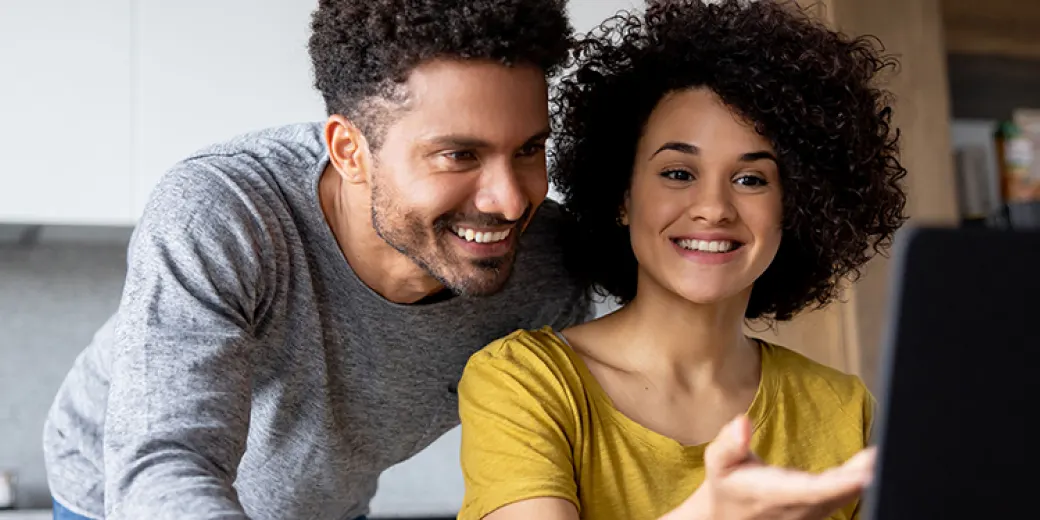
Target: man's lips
<point>482,235</point>
<point>484,242</point>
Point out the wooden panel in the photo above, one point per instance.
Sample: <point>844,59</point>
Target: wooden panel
<point>848,334</point>
<point>991,87</point>
<point>820,335</point>
<point>1000,27</point>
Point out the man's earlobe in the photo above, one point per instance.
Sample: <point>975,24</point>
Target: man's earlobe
<point>348,149</point>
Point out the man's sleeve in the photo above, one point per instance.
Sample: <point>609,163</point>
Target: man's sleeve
<point>180,397</point>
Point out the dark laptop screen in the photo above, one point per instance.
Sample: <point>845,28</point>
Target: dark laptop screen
<point>959,386</point>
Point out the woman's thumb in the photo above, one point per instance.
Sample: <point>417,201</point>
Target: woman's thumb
<point>730,448</point>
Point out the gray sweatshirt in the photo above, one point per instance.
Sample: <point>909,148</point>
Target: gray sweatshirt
<point>248,372</point>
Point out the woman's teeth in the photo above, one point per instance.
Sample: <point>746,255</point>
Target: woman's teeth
<point>707,246</point>
<point>481,237</point>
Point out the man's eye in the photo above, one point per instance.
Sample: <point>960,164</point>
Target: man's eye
<point>531,149</point>
<point>464,155</point>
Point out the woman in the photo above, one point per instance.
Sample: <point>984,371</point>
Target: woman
<point>721,163</point>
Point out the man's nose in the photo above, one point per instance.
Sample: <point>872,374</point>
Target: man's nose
<point>500,193</point>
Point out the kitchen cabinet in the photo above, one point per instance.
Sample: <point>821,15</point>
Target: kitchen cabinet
<point>27,514</point>
<point>65,132</point>
<point>206,71</point>
<point>100,98</point>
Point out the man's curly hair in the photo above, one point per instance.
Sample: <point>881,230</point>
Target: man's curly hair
<point>809,90</point>
<point>361,50</point>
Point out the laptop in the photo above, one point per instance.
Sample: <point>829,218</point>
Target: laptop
<point>959,378</point>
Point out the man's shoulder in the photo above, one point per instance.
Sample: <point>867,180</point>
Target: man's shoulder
<point>541,247</point>
<point>297,142</point>
<point>547,289</point>
<point>237,181</point>
<point>541,240</point>
<point>547,218</point>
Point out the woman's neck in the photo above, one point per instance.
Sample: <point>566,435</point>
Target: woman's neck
<point>666,335</point>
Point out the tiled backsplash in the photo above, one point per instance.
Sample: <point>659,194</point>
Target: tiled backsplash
<point>53,296</point>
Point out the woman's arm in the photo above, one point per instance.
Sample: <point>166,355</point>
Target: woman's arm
<point>739,487</point>
<point>549,508</point>
<point>519,431</point>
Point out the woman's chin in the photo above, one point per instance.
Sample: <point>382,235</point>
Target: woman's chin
<point>709,295</point>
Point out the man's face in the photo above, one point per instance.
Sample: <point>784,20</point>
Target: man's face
<point>462,169</point>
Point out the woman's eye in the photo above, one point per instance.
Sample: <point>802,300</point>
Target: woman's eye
<point>677,175</point>
<point>751,181</point>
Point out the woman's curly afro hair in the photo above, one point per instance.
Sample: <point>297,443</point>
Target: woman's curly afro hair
<point>361,48</point>
<point>809,90</point>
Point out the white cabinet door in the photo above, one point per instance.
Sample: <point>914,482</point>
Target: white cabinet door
<point>208,70</point>
<point>65,111</point>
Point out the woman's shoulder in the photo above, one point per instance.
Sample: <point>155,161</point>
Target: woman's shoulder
<point>525,346</point>
<point>538,357</point>
<point>802,369</point>
<point>805,382</point>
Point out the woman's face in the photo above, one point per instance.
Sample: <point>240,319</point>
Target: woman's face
<point>704,209</point>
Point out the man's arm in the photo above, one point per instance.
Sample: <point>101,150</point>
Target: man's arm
<point>181,381</point>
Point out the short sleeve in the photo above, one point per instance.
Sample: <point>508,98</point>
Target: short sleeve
<point>518,429</point>
<point>869,412</point>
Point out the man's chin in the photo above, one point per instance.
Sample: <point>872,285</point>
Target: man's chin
<point>487,277</point>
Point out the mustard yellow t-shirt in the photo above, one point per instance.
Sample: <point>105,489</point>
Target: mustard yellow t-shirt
<point>535,423</point>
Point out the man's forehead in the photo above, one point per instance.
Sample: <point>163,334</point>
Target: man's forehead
<point>476,99</point>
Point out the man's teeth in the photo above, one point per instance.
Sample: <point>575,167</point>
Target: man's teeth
<point>709,246</point>
<point>485,237</point>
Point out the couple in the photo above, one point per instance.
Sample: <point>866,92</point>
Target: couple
<point>301,302</point>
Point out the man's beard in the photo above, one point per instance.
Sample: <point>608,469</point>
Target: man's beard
<point>431,250</point>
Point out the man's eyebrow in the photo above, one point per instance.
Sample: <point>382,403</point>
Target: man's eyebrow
<point>456,141</point>
<point>468,141</point>
<point>540,136</point>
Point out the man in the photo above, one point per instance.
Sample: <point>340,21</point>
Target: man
<point>300,301</point>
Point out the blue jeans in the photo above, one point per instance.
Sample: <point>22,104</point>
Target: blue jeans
<point>61,513</point>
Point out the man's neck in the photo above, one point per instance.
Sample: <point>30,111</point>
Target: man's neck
<point>381,267</point>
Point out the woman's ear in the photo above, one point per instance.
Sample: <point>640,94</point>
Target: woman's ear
<point>622,219</point>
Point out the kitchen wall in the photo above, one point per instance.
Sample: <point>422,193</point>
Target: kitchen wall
<point>58,284</point>
<point>52,297</point>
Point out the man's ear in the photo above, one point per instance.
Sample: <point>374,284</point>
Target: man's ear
<point>348,149</point>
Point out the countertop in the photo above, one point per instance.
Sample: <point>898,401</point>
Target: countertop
<point>26,514</point>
